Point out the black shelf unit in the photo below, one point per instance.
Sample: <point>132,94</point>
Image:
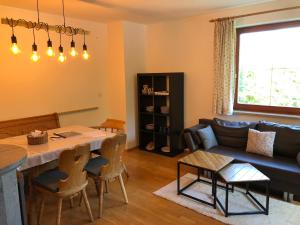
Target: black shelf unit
<point>167,127</point>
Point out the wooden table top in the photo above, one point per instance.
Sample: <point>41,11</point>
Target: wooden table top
<point>242,172</point>
<point>11,156</point>
<point>206,160</point>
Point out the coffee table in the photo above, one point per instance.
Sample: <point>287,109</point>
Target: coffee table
<point>244,173</point>
<point>202,161</point>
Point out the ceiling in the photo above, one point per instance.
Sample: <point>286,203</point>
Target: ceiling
<point>143,11</point>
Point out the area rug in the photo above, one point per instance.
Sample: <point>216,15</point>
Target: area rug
<point>281,213</point>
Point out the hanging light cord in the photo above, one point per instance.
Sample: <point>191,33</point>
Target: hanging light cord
<point>33,35</point>
<point>38,10</point>
<point>84,37</point>
<point>63,9</point>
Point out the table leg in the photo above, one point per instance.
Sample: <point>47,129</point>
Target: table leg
<point>214,183</point>
<point>198,173</point>
<point>178,178</point>
<point>226,201</point>
<point>267,197</point>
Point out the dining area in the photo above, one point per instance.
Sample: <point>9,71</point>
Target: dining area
<point>46,161</point>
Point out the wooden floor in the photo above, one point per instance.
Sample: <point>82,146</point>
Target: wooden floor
<point>148,173</point>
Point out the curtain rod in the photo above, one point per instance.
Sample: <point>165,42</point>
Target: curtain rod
<point>254,14</point>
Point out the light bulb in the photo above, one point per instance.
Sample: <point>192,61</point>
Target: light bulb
<point>85,53</point>
<point>35,56</point>
<point>14,46</point>
<point>50,51</point>
<point>73,51</point>
<point>61,56</point>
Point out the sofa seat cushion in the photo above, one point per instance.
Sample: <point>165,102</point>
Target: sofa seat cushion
<point>231,133</point>
<point>278,167</point>
<point>287,139</point>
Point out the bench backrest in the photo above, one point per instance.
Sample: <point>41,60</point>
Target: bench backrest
<point>11,128</point>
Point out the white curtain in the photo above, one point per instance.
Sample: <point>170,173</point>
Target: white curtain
<point>224,67</point>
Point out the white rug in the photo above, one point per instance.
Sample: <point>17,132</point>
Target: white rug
<point>281,213</point>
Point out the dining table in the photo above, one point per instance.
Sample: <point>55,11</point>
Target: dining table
<point>43,154</point>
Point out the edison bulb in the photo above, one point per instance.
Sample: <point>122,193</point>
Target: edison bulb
<point>61,57</point>
<point>35,56</point>
<point>50,52</point>
<point>15,49</point>
<point>73,52</point>
<point>85,55</point>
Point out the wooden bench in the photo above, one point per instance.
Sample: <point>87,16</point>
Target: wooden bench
<point>16,127</point>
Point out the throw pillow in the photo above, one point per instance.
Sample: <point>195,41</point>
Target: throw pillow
<point>208,137</point>
<point>298,158</point>
<point>260,142</point>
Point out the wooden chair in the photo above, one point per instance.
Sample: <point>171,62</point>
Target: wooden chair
<point>108,166</point>
<point>68,180</point>
<point>115,126</point>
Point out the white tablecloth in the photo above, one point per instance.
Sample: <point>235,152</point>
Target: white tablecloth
<point>41,154</point>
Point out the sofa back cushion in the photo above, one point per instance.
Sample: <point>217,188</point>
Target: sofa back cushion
<point>287,139</point>
<point>231,133</point>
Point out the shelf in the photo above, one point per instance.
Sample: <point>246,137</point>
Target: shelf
<point>158,151</point>
<point>155,114</point>
<point>154,132</point>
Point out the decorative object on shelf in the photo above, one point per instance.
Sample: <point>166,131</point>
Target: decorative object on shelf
<point>37,137</point>
<point>149,126</point>
<point>161,93</point>
<point>147,90</point>
<point>150,146</point>
<point>164,109</point>
<point>61,29</point>
<point>165,149</point>
<point>150,108</point>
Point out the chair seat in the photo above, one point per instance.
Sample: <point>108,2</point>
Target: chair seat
<point>49,180</point>
<point>94,164</point>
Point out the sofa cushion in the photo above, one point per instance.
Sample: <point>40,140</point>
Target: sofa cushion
<point>260,142</point>
<point>287,139</point>
<point>232,134</point>
<point>298,158</point>
<point>208,137</point>
<point>280,168</point>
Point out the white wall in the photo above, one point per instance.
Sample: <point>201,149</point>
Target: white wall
<point>126,58</point>
<point>187,45</point>
<point>29,89</point>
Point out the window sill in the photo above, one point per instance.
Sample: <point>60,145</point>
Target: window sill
<point>239,112</point>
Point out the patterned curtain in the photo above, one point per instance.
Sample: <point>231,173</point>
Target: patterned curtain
<point>224,57</point>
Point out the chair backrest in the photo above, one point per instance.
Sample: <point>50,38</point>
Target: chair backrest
<point>112,149</point>
<point>72,162</point>
<point>16,127</point>
<point>113,125</point>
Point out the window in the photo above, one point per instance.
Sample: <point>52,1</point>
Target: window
<point>268,68</point>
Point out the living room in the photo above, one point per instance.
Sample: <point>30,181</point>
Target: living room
<point>112,42</point>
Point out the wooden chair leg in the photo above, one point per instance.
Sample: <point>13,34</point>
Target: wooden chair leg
<point>71,202</point>
<point>125,170</point>
<point>123,188</point>
<point>59,211</point>
<point>101,192</point>
<point>96,180</point>
<point>87,204</point>
<point>106,186</point>
<point>80,200</point>
<point>41,210</point>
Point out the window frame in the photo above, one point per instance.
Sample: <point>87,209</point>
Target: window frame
<point>260,108</point>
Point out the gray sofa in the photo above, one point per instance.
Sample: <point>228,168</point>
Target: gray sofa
<point>282,169</point>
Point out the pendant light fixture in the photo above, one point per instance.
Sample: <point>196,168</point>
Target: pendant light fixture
<point>34,56</point>
<point>50,51</point>
<point>85,53</point>
<point>61,57</point>
<point>73,51</point>
<point>14,45</point>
